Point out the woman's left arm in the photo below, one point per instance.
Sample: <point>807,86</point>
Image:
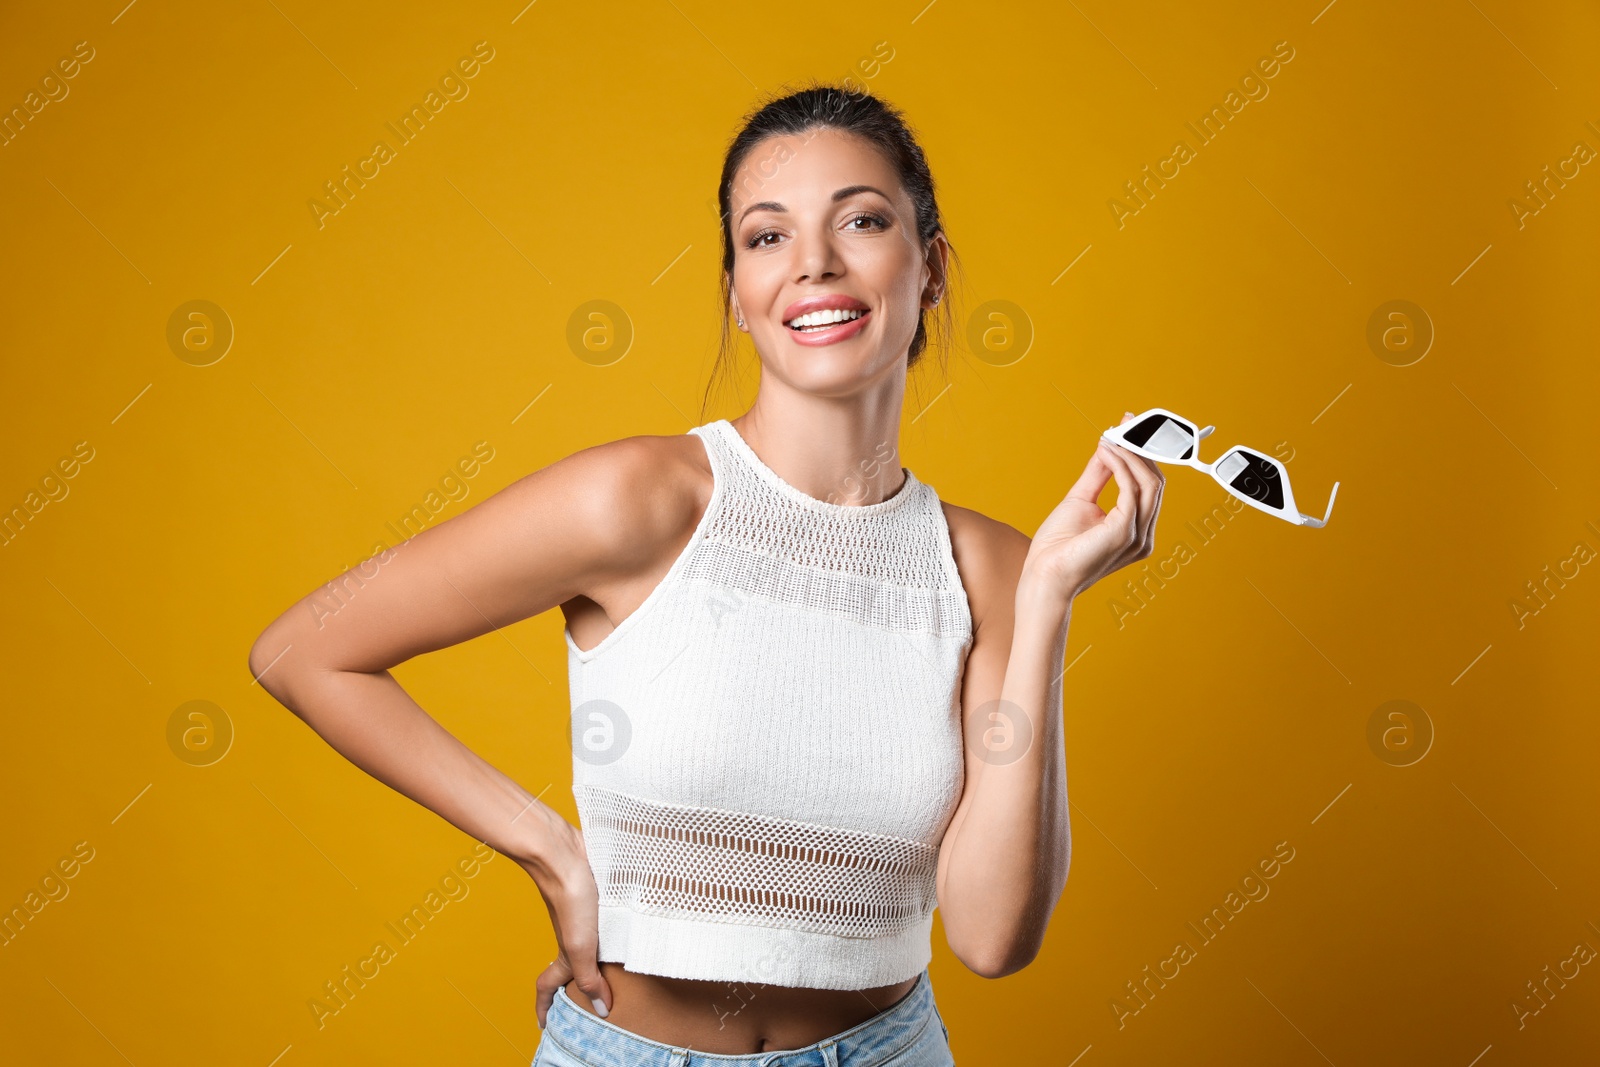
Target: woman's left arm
<point>1005,854</point>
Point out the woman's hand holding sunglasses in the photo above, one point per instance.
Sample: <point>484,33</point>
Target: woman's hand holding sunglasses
<point>1079,543</point>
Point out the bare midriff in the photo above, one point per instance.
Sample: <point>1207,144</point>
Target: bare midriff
<point>734,1018</point>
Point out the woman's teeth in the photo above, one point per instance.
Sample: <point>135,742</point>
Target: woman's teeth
<point>821,320</point>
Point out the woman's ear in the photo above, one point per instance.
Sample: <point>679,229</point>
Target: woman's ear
<point>938,264</point>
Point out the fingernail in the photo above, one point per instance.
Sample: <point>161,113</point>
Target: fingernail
<point>1127,414</point>
<point>600,1009</point>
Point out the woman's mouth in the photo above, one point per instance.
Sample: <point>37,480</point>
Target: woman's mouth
<point>827,327</point>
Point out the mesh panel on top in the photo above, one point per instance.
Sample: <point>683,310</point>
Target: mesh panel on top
<point>710,864</point>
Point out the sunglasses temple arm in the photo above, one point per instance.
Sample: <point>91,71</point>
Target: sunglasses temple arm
<point>1308,520</point>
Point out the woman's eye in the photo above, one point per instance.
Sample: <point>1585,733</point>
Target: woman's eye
<point>759,239</point>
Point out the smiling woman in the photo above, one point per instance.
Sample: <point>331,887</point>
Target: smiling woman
<point>785,709</point>
<point>757,160</point>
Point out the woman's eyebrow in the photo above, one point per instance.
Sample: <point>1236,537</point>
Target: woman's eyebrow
<point>842,194</point>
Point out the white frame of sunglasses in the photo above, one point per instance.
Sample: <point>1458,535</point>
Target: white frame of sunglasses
<point>1289,513</point>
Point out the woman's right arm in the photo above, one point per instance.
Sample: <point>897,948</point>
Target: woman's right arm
<point>575,528</point>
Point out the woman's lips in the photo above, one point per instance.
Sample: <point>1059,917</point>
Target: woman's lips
<point>839,331</point>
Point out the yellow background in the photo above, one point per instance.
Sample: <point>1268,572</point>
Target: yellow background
<point>1229,714</point>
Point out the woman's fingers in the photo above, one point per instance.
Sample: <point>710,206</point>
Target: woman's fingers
<point>1155,511</point>
<point>573,901</point>
<point>585,953</point>
<point>1097,472</point>
<point>1092,482</point>
<point>554,977</point>
<point>1148,500</point>
<point>1147,475</point>
<point>1147,471</point>
<point>1090,542</point>
<point>1126,514</point>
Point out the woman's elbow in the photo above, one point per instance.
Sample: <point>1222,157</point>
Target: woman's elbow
<point>1001,963</point>
<point>266,654</point>
<point>995,955</point>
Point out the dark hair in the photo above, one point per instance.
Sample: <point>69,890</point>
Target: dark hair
<point>824,106</point>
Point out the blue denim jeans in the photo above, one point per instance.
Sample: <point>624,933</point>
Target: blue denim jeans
<point>909,1034</point>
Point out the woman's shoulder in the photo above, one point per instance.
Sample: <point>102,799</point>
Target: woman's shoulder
<point>642,461</point>
<point>989,555</point>
<point>982,535</point>
<point>639,491</point>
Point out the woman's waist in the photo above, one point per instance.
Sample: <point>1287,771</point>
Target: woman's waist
<point>736,1018</point>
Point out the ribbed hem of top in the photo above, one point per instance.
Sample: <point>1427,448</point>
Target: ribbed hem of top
<point>736,952</point>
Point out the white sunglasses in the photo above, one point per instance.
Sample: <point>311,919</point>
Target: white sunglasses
<point>1258,480</point>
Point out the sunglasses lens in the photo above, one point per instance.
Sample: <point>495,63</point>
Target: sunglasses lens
<point>1163,437</point>
<point>1252,476</point>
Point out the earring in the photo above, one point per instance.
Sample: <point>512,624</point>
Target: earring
<point>741,324</point>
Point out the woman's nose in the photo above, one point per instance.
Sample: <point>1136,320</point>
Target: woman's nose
<point>816,257</point>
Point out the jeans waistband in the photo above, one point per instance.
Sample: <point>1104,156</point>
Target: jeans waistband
<point>877,1039</point>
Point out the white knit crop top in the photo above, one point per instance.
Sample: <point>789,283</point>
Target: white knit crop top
<point>767,752</point>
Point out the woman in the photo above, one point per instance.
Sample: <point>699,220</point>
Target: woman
<point>809,696</point>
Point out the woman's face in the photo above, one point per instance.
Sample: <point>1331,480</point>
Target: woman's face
<point>823,216</point>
